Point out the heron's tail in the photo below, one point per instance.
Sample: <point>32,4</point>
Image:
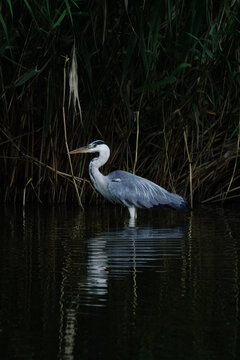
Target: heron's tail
<point>177,202</point>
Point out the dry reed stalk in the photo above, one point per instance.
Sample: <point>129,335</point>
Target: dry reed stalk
<point>190,168</point>
<point>73,84</point>
<point>65,133</point>
<point>167,166</point>
<point>235,164</point>
<point>24,192</point>
<point>136,115</point>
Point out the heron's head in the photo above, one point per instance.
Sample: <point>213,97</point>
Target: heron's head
<point>95,146</point>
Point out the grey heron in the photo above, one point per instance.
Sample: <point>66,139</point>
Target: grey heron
<point>127,189</point>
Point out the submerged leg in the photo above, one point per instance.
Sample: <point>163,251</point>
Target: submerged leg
<point>132,212</point>
<point>133,216</point>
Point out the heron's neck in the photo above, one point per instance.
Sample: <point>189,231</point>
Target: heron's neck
<point>96,163</point>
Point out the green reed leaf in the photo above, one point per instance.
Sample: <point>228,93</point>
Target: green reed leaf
<point>60,19</point>
<point>4,27</point>
<point>10,7</point>
<point>29,74</point>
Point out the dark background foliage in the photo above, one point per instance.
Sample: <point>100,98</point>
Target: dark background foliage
<point>167,69</point>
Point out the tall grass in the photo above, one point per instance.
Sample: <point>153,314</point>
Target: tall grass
<point>173,63</point>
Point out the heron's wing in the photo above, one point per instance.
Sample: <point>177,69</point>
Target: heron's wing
<point>131,190</point>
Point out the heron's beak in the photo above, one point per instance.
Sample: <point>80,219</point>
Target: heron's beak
<point>80,150</point>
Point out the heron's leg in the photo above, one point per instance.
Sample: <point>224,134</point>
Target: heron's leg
<point>132,212</point>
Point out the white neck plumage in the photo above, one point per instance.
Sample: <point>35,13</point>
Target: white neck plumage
<point>104,153</point>
<point>96,163</point>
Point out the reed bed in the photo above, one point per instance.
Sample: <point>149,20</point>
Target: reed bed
<point>158,81</point>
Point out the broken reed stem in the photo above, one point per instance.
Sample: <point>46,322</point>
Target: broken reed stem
<point>41,164</point>
<point>219,197</point>
<point>190,168</point>
<point>65,132</point>
<point>136,115</point>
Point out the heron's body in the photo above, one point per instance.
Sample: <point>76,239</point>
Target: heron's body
<point>127,189</point>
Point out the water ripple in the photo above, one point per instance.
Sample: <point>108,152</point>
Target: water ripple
<point>130,250</point>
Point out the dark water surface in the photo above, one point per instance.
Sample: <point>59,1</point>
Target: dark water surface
<point>79,285</point>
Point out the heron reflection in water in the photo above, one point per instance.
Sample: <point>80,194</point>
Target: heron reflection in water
<point>124,188</point>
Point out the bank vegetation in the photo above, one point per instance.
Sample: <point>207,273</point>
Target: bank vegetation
<point>157,80</point>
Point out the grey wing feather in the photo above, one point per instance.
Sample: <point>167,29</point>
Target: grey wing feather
<point>131,190</point>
